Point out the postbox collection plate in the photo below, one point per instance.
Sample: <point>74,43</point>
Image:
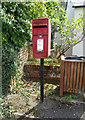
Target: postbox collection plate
<point>39,44</point>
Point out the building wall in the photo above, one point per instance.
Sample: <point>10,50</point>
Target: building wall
<point>70,10</point>
<point>78,49</point>
<point>84,47</point>
<point>84,31</point>
<point>57,37</point>
<point>70,14</point>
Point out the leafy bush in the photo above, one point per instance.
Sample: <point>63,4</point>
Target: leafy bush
<point>17,31</point>
<point>6,109</point>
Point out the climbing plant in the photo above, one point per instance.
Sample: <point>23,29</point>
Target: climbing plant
<point>17,31</point>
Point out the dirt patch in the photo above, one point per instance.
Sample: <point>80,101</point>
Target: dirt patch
<point>27,104</point>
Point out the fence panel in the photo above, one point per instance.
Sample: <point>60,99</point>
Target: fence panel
<point>72,76</point>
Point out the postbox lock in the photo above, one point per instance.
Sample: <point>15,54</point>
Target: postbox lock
<point>40,35</point>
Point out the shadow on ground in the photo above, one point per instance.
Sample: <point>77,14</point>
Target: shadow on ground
<point>55,107</point>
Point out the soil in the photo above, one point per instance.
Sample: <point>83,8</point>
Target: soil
<point>27,103</point>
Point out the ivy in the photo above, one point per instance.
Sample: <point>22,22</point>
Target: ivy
<point>17,31</point>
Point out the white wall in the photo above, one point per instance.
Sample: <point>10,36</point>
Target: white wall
<point>70,10</point>
<point>84,47</point>
<point>78,49</point>
<point>70,15</point>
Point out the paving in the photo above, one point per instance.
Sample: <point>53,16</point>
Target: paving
<point>58,109</point>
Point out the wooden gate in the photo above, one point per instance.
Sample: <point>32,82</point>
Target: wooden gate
<point>72,76</point>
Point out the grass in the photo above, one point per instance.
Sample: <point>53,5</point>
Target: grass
<point>48,61</point>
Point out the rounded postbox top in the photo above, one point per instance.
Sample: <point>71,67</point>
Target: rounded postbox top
<point>40,22</point>
<point>41,19</point>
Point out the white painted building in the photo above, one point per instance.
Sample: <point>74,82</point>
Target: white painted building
<point>75,7</point>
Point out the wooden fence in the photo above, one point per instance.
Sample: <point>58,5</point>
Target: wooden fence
<point>72,76</point>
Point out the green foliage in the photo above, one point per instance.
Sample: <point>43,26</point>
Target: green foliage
<point>27,101</point>
<point>70,97</point>
<point>17,31</point>
<point>51,90</point>
<point>16,81</point>
<point>25,94</point>
<point>56,13</point>
<point>48,61</point>
<point>6,109</point>
<point>70,34</point>
<point>39,94</point>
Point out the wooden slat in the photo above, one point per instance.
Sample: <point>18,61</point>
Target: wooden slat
<point>68,76</point>
<point>81,74</point>
<point>65,77</point>
<point>83,78</point>
<point>61,80</point>
<point>78,71</point>
<point>75,66</point>
<point>54,78</point>
<point>72,65</point>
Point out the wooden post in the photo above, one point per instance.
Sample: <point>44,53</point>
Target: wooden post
<point>61,80</point>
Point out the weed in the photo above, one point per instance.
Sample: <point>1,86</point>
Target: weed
<point>74,96</point>
<point>70,97</point>
<point>39,94</point>
<point>27,101</point>
<point>51,90</point>
<point>25,94</point>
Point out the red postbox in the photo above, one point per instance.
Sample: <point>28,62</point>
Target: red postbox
<point>41,36</point>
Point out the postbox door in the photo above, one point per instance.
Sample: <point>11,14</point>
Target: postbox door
<point>40,46</point>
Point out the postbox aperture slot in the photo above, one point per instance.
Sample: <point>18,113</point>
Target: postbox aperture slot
<point>39,26</point>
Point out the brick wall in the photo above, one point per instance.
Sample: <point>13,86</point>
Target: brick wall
<point>32,72</point>
<point>50,72</point>
<point>23,56</point>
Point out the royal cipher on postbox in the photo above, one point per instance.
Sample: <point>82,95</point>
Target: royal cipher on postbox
<point>41,37</point>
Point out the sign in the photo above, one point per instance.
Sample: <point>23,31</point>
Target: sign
<point>39,44</point>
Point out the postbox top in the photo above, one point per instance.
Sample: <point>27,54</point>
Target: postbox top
<point>40,21</point>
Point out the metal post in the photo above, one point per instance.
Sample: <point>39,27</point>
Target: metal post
<point>42,79</point>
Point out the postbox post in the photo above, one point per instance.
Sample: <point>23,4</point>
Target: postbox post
<point>42,79</point>
<point>41,38</point>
